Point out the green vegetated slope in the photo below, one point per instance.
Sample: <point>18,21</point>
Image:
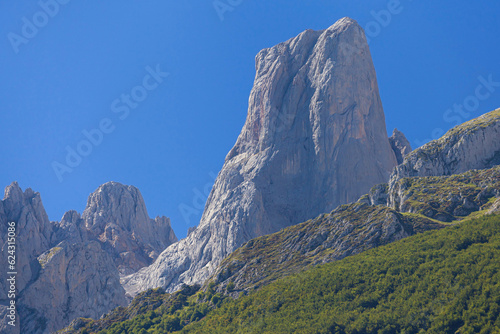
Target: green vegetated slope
<point>154,309</point>
<point>444,281</point>
<point>348,230</point>
<point>441,281</point>
<point>423,203</point>
<point>447,198</point>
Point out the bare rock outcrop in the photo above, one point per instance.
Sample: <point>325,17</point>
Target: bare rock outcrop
<point>33,228</point>
<point>400,145</point>
<point>314,138</point>
<point>471,145</point>
<point>76,280</point>
<point>116,214</point>
<point>71,268</point>
<point>71,229</point>
<point>34,234</point>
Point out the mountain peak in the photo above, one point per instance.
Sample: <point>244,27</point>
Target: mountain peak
<point>344,22</point>
<point>400,145</point>
<point>13,191</point>
<point>117,214</point>
<point>314,138</point>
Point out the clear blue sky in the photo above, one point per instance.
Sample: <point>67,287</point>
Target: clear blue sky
<point>75,71</point>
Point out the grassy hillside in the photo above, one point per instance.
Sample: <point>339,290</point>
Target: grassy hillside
<point>348,230</point>
<point>447,198</point>
<point>445,281</point>
<point>441,281</point>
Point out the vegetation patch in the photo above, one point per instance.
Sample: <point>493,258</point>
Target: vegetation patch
<point>47,256</point>
<point>444,281</point>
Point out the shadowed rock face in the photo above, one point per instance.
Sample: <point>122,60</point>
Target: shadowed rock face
<point>76,280</point>
<point>400,145</point>
<point>314,138</point>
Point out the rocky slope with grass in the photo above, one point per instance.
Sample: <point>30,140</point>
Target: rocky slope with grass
<point>472,145</point>
<point>348,230</point>
<point>427,203</point>
<point>441,281</point>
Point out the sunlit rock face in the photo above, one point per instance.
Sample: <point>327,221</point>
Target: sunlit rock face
<point>315,137</point>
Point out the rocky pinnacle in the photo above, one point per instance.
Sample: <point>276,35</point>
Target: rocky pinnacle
<point>315,137</point>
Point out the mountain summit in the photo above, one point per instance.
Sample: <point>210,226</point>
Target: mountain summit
<point>117,215</point>
<point>314,138</point>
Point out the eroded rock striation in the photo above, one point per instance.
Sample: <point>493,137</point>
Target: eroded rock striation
<point>314,138</point>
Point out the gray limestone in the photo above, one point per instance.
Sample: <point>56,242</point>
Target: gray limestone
<point>314,138</point>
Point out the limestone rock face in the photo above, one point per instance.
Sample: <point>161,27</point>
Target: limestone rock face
<point>70,268</point>
<point>495,208</point>
<point>117,216</point>
<point>76,280</point>
<point>34,233</point>
<point>33,236</point>
<point>71,229</point>
<point>400,145</point>
<point>314,138</point>
<point>472,145</point>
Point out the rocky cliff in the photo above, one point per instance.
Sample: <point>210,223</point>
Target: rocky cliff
<point>400,145</point>
<point>116,214</point>
<point>314,138</point>
<point>34,235</point>
<point>34,232</point>
<point>76,280</point>
<point>472,145</point>
<point>72,268</point>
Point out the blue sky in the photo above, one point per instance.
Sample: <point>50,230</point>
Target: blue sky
<point>76,72</point>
